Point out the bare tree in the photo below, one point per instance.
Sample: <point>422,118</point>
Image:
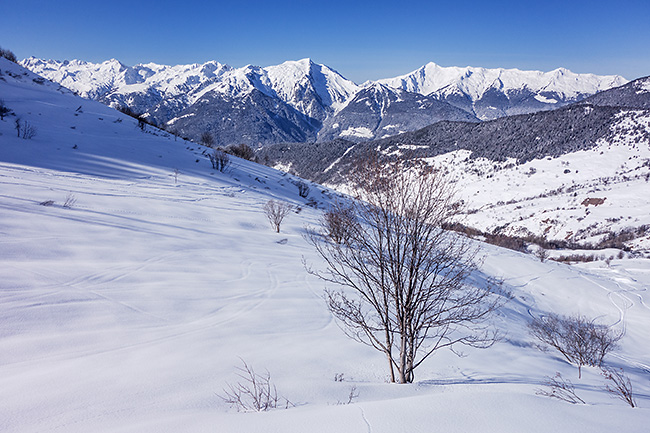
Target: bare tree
<point>621,386</point>
<point>581,341</point>
<point>276,211</point>
<point>404,279</point>
<point>542,254</point>
<point>339,221</point>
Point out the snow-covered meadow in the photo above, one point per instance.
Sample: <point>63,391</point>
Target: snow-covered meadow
<point>130,308</point>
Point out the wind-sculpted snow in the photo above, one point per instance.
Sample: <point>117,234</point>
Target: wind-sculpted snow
<point>133,278</point>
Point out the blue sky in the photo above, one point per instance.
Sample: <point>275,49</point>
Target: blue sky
<point>363,40</point>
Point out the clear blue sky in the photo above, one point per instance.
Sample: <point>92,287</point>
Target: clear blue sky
<point>363,40</point>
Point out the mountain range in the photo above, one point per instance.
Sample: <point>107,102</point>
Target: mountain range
<point>302,101</point>
<point>550,160</point>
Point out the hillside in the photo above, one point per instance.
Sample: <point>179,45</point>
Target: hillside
<point>134,278</point>
<point>521,175</point>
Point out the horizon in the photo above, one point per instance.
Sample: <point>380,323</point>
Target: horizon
<point>332,67</point>
<point>365,40</point>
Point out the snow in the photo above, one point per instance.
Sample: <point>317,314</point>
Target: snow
<point>545,100</point>
<point>475,81</point>
<point>129,310</point>
<point>360,131</point>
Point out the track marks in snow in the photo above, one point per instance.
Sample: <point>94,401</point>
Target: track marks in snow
<point>365,420</point>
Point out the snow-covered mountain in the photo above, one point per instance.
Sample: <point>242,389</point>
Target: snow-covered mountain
<point>378,111</point>
<point>494,93</point>
<point>134,279</point>
<point>304,101</point>
<point>167,94</point>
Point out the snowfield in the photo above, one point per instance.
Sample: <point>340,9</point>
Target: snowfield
<point>134,279</point>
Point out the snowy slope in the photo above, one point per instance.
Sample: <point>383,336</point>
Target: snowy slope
<point>129,310</point>
<point>492,93</point>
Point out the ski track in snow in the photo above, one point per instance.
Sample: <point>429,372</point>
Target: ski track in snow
<point>365,420</point>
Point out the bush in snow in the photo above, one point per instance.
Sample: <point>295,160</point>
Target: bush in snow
<point>219,159</point>
<point>560,388</point>
<point>276,211</point>
<point>339,222</point>
<point>4,110</point>
<point>581,341</point>
<point>242,150</point>
<point>8,54</point>
<point>253,392</point>
<point>303,189</point>
<point>24,130</point>
<point>207,139</point>
<point>620,387</point>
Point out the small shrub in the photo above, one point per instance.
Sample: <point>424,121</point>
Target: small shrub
<point>254,392</point>
<point>303,189</point>
<point>339,221</point>
<point>8,54</point>
<point>70,201</point>
<point>579,340</point>
<point>352,395</point>
<point>207,139</point>
<point>219,159</point>
<point>241,151</point>
<point>25,130</point>
<point>276,211</point>
<point>4,110</point>
<point>559,388</point>
<point>620,387</point>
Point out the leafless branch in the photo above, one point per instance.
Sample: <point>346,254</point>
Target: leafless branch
<point>404,280</point>
<point>581,341</point>
<point>559,388</point>
<point>254,392</point>
<point>620,386</point>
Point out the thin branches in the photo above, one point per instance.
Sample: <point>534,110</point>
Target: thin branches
<point>403,279</point>
<point>254,392</point>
